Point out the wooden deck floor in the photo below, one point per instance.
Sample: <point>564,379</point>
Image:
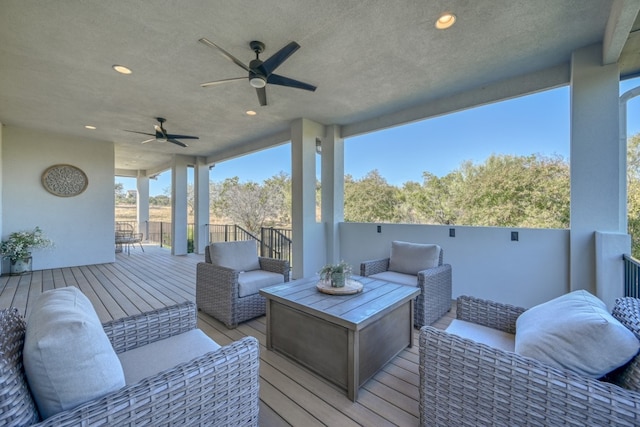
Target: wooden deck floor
<point>289,394</point>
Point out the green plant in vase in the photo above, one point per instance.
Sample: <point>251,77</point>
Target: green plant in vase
<point>18,248</point>
<point>336,274</point>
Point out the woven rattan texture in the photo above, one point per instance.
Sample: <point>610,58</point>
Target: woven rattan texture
<point>435,286</point>
<point>627,311</point>
<point>142,329</point>
<point>488,313</point>
<point>16,405</point>
<point>464,383</point>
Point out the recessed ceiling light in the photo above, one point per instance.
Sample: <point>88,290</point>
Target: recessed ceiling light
<point>90,127</point>
<point>445,21</point>
<point>122,69</point>
<point>251,113</point>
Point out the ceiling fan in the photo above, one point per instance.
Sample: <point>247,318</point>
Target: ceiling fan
<point>162,135</point>
<point>261,73</point>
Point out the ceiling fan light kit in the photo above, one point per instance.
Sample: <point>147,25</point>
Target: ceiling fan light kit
<point>260,73</point>
<point>258,82</point>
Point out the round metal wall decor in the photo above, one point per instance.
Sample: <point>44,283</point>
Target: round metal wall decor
<point>64,180</point>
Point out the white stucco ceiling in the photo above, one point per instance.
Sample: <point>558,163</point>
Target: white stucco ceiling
<point>368,59</point>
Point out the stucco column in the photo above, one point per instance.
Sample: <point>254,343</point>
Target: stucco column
<point>142,204</point>
<point>308,236</point>
<point>598,168</point>
<point>333,190</point>
<point>179,216</point>
<point>201,205</point>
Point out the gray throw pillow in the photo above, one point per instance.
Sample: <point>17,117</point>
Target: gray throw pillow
<point>68,358</point>
<point>575,332</point>
<point>410,258</point>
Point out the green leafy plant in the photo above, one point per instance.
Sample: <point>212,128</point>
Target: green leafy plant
<point>329,270</point>
<point>20,243</point>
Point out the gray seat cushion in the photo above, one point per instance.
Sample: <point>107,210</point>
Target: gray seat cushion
<point>150,359</point>
<point>250,282</point>
<point>482,334</point>
<point>395,277</point>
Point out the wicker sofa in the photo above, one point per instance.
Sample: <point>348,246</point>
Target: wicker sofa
<point>435,286</point>
<point>219,388</point>
<point>463,382</point>
<point>218,287</point>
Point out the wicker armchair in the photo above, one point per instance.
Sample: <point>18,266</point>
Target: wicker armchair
<point>467,383</point>
<point>218,289</point>
<point>435,285</point>
<point>219,388</point>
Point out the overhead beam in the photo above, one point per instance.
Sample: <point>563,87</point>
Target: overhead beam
<point>251,146</point>
<point>621,18</point>
<point>522,85</point>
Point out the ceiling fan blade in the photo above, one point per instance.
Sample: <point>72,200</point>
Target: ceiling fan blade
<point>286,81</point>
<point>278,58</point>
<point>262,96</point>
<point>141,133</point>
<point>175,136</point>
<point>217,82</point>
<point>175,141</point>
<point>225,54</point>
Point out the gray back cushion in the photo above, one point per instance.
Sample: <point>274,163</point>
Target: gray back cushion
<point>16,404</point>
<point>410,258</point>
<point>241,255</point>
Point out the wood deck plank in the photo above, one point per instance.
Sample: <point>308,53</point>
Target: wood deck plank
<point>290,394</point>
<point>9,291</point>
<point>285,407</point>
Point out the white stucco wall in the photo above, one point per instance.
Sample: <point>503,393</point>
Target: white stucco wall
<point>81,227</point>
<point>484,260</point>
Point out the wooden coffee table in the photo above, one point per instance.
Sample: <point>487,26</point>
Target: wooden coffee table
<point>346,339</point>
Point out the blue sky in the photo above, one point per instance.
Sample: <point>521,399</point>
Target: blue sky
<point>535,124</point>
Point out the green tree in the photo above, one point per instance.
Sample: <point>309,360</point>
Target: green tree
<point>249,204</point>
<point>514,191</point>
<point>370,199</point>
<point>279,187</point>
<point>434,202</point>
<point>160,200</point>
<point>633,193</point>
<point>119,191</point>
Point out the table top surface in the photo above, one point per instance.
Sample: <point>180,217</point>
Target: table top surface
<point>352,311</point>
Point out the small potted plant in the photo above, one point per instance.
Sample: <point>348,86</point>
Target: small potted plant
<point>336,274</point>
<point>18,249</point>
